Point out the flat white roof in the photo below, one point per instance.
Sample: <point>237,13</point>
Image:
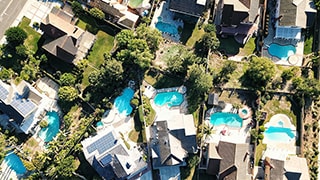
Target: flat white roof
<point>288,32</point>
<point>201,2</point>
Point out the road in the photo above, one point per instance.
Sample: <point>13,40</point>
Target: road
<point>9,10</point>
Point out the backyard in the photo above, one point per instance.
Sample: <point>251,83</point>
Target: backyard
<point>31,42</point>
<point>103,44</point>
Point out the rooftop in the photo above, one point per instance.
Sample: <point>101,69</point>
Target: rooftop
<point>188,7</point>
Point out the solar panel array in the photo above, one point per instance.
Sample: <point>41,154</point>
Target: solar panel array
<point>103,144</point>
<point>24,106</point>
<point>106,160</point>
<point>3,93</point>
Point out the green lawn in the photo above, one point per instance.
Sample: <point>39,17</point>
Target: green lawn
<point>259,150</point>
<point>159,80</point>
<point>191,34</point>
<point>33,36</point>
<point>248,48</point>
<point>196,35</point>
<point>308,45</point>
<point>103,44</point>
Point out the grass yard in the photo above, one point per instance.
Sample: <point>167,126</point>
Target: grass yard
<point>159,80</point>
<point>103,44</point>
<point>248,48</point>
<point>308,45</point>
<point>259,150</point>
<point>33,36</point>
<point>195,36</point>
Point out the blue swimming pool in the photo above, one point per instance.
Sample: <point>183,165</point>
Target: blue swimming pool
<point>49,132</point>
<point>229,119</point>
<point>122,103</point>
<point>99,124</point>
<point>166,27</point>
<point>170,99</point>
<point>281,52</point>
<point>279,134</point>
<point>15,163</point>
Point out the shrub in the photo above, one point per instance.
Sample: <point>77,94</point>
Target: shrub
<point>260,136</point>
<point>262,128</point>
<point>135,102</point>
<point>43,123</point>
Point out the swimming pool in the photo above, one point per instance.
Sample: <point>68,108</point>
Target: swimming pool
<point>99,124</point>
<point>49,132</point>
<point>170,99</point>
<point>15,163</point>
<point>166,27</point>
<point>281,52</point>
<point>122,103</point>
<point>279,134</point>
<point>229,119</point>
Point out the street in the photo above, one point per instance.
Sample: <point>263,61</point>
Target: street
<point>9,10</point>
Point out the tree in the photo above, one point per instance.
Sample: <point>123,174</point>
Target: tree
<point>307,86</point>
<point>259,73</point>
<point>178,62</point>
<point>67,79</point>
<point>65,167</point>
<point>198,83</point>
<point>288,74</point>
<point>123,38</point>
<point>76,8</point>
<point>208,41</point>
<point>207,131</point>
<point>152,36</point>
<point>97,13</point>
<point>317,3</point>
<point>21,50</point>
<point>6,74</point>
<point>208,28</point>
<point>67,93</point>
<point>15,36</point>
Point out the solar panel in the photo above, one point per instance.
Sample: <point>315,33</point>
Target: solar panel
<point>103,144</point>
<point>106,160</point>
<point>24,106</point>
<point>3,93</point>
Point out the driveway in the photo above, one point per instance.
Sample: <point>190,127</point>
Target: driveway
<point>9,10</point>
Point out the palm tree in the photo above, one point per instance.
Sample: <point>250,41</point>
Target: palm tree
<point>207,131</point>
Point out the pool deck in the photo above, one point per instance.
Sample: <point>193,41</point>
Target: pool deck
<point>280,150</point>
<point>167,17</point>
<point>7,172</point>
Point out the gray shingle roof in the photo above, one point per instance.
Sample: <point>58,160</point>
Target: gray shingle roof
<point>188,7</point>
<point>288,11</point>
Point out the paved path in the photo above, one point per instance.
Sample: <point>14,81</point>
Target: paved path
<point>9,10</point>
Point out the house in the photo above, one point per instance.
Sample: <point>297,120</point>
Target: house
<point>236,18</point>
<point>171,142</point>
<point>291,16</point>
<point>292,168</point>
<point>21,105</point>
<point>116,13</point>
<point>63,39</point>
<point>193,8</point>
<point>109,156</point>
<point>228,160</point>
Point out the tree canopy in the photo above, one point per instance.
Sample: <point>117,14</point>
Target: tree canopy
<point>152,36</point>
<point>15,36</point>
<point>259,73</point>
<point>67,93</point>
<point>67,79</point>
<point>97,13</point>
